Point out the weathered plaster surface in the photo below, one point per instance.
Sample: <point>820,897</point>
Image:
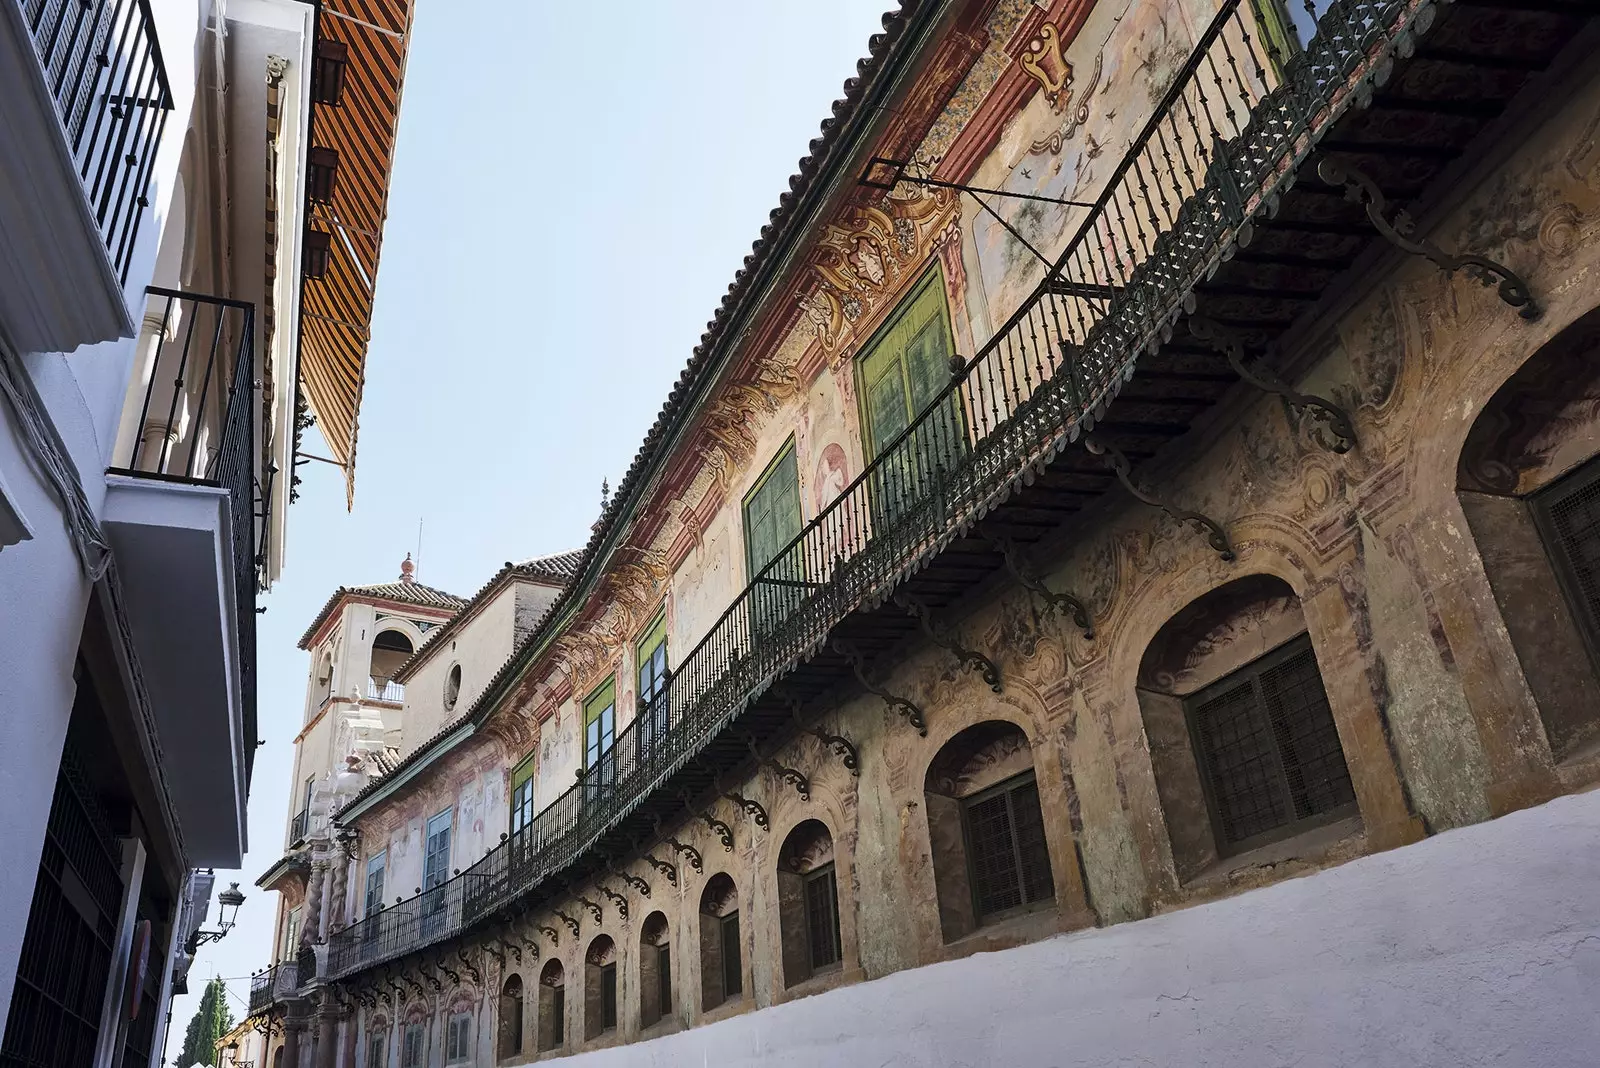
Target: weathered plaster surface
<point>1480,946</point>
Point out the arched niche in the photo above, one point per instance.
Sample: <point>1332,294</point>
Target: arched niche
<point>552,1021</point>
<point>1529,482</point>
<point>986,829</point>
<point>808,903</point>
<point>655,969</point>
<point>600,987</point>
<point>1242,740</point>
<point>721,953</point>
<point>391,647</point>
<point>511,1017</point>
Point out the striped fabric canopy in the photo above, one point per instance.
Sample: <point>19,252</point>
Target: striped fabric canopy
<point>336,310</point>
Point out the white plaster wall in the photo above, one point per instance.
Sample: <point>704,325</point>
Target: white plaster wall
<point>480,647</point>
<point>1477,947</point>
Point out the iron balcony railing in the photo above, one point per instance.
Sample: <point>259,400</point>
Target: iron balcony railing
<point>272,985</point>
<point>103,65</point>
<point>299,825</point>
<point>194,418</point>
<point>392,692</point>
<point>1228,134</point>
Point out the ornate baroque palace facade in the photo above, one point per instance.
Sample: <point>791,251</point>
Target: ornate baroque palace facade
<point>1148,455</point>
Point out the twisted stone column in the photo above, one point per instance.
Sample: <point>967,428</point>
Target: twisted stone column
<point>311,929</point>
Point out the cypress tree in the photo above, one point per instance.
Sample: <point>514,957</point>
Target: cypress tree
<point>211,1021</point>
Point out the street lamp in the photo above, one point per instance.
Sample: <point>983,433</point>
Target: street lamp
<point>227,914</point>
<point>233,1048</point>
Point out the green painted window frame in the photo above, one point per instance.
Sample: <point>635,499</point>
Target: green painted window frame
<point>896,487</point>
<point>651,671</point>
<point>522,776</point>
<point>783,586</point>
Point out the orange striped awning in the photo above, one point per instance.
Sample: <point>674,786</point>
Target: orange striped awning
<point>336,310</point>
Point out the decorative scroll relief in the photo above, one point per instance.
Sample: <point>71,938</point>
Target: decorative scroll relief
<point>630,591</point>
<point>864,259</point>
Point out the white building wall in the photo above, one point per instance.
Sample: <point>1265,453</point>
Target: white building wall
<point>1477,947</point>
<point>480,646</point>
<point>43,589</point>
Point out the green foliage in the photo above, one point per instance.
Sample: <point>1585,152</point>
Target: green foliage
<point>211,1021</point>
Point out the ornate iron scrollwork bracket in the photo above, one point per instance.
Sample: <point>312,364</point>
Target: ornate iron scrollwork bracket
<point>1017,566</point>
<point>593,907</point>
<point>1401,232</point>
<point>444,966</point>
<point>678,849</point>
<point>414,984</point>
<point>616,899</point>
<point>514,947</point>
<point>793,776</point>
<point>665,868</point>
<point>497,954</point>
<point>970,659</point>
<point>555,935</point>
<point>630,880</point>
<point>1216,537</point>
<point>751,806</point>
<point>722,830</point>
<point>912,714</point>
<point>572,924</point>
<point>842,747</point>
<point>471,968</point>
<point>1335,432</point>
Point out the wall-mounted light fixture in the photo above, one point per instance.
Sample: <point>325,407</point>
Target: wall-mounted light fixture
<point>327,71</point>
<point>228,903</point>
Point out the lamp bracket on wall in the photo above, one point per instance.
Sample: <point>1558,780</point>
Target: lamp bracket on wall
<point>970,659</point>
<point>572,924</point>
<point>555,935</point>
<point>1401,232</point>
<point>1017,564</point>
<point>906,708</point>
<point>842,747</point>
<point>1334,430</point>
<point>1215,535</point>
<point>793,776</point>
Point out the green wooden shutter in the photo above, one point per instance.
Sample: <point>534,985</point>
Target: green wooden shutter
<point>771,521</point>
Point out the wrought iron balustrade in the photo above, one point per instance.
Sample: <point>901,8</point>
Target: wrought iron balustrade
<point>273,984</point>
<point>299,826</point>
<point>103,66</point>
<point>392,692</point>
<point>1229,133</point>
<point>194,417</point>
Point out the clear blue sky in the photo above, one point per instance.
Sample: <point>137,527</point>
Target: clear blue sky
<point>571,198</point>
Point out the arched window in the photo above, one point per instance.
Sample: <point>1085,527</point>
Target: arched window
<point>1529,483</point>
<point>655,970</point>
<point>552,1006</point>
<point>600,987</point>
<point>1242,739</point>
<point>390,649</point>
<point>721,963</point>
<point>452,688</point>
<point>322,682</point>
<point>511,1016</point>
<point>990,860</point>
<point>277,1057</point>
<point>808,903</point>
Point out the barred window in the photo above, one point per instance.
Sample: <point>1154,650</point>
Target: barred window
<point>1007,856</point>
<point>1567,513</point>
<point>822,917</point>
<point>1268,749</point>
<point>411,1052</point>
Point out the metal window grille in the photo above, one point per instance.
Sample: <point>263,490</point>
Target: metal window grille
<point>608,997</point>
<point>375,1051</point>
<point>664,979</point>
<point>1268,748</point>
<point>732,973</point>
<point>1567,515</point>
<point>66,949</point>
<point>822,916</point>
<point>1006,851</point>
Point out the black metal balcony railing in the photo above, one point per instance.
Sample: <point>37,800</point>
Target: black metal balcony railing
<point>273,984</point>
<point>299,825</point>
<point>103,65</point>
<point>305,964</point>
<point>1228,134</point>
<point>197,422</point>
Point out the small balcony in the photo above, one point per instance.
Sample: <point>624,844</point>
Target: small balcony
<point>87,102</point>
<point>392,693</point>
<point>184,501</point>
<point>299,825</point>
<point>272,985</point>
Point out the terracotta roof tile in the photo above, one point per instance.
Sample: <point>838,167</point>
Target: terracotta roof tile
<point>403,592</point>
